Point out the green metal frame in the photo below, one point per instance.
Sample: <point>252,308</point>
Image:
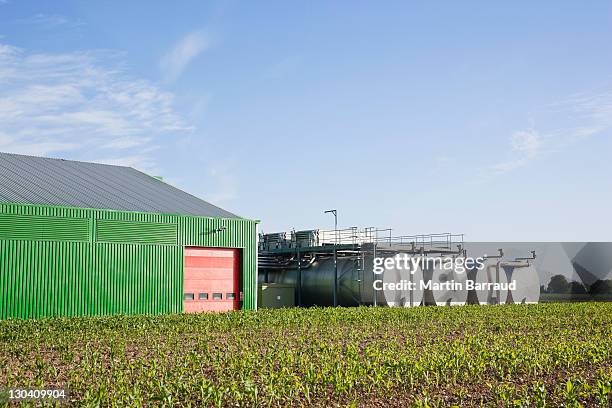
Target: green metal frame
<point>66,261</point>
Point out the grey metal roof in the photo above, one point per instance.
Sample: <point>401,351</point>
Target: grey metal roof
<point>41,180</point>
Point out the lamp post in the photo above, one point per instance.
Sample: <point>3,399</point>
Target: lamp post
<point>335,255</point>
<point>335,212</point>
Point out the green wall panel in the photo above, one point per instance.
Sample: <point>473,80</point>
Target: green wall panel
<point>136,232</point>
<point>141,271</point>
<point>31,227</point>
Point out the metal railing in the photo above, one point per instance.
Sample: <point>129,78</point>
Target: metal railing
<point>346,236</point>
<point>358,236</point>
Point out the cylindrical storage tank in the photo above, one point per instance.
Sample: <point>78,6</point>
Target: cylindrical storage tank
<point>472,297</point>
<point>318,281</point>
<point>452,290</point>
<point>356,280</point>
<point>525,284</point>
<point>486,276</point>
<point>409,294</point>
<point>428,296</point>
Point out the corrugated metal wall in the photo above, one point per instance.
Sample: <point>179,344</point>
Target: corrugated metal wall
<point>61,261</point>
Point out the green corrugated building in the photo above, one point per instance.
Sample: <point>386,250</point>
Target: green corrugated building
<point>84,239</point>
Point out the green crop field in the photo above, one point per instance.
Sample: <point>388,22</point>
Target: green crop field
<point>520,355</point>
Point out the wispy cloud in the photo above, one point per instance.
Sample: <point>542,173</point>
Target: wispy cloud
<point>174,62</point>
<point>83,103</point>
<point>591,112</point>
<point>562,124</point>
<point>50,21</point>
<point>127,142</point>
<point>525,146</point>
<point>142,161</point>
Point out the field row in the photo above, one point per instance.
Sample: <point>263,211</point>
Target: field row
<point>529,355</point>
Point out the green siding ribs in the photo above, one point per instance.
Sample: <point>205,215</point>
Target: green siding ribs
<point>36,228</point>
<point>136,232</point>
<point>63,261</point>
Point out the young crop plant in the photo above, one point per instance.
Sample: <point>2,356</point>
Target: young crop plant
<point>544,355</point>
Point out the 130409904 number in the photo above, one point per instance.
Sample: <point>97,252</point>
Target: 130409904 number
<point>27,394</point>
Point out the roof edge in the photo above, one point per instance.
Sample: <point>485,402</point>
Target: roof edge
<point>68,160</point>
<point>208,207</point>
<point>126,211</point>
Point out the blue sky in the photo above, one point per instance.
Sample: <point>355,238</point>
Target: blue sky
<point>489,119</point>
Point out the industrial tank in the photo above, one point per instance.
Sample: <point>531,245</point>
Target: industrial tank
<point>404,296</point>
<point>355,282</point>
<point>318,280</point>
<point>455,295</point>
<point>283,261</point>
<point>526,287</point>
<point>492,273</point>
